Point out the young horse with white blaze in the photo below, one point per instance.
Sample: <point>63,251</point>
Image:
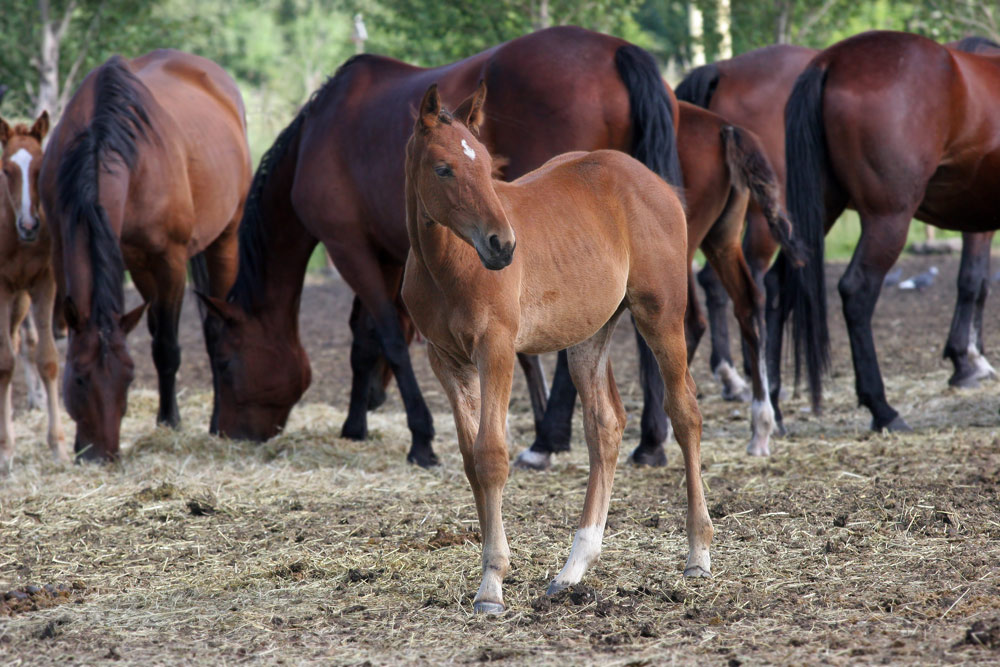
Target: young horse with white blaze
<point>26,279</point>
<point>566,249</point>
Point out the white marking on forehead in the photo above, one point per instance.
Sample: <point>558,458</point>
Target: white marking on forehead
<point>23,160</point>
<point>467,149</point>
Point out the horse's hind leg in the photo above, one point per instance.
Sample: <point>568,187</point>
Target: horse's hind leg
<point>734,387</point>
<point>657,319</point>
<point>163,321</point>
<point>553,434</point>
<point>47,363</point>
<point>726,257</point>
<point>366,355</point>
<point>603,423</point>
<point>965,340</point>
<point>654,426</point>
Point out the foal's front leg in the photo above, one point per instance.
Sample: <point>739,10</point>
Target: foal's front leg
<point>495,362</point>
<point>47,362</point>
<point>6,375</point>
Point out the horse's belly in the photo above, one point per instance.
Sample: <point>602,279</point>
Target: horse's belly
<point>560,318</point>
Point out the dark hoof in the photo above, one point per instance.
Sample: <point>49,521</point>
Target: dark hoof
<point>779,429</point>
<point>170,421</point>
<point>964,381</point>
<point>555,587</point>
<point>483,607</point>
<point>425,458</point>
<point>354,431</point>
<point>642,456</point>
<point>897,425</point>
<point>529,459</point>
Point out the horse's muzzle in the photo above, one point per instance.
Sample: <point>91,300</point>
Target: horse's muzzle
<point>27,229</point>
<point>495,255</point>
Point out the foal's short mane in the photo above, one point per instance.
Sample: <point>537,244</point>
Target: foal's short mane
<point>118,121</point>
<point>977,45</point>
<point>254,233</point>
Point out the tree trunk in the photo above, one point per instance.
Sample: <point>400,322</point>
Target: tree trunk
<point>697,31</point>
<point>542,18</point>
<point>48,63</point>
<point>781,22</point>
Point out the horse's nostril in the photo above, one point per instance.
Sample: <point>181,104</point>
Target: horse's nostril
<point>495,242</point>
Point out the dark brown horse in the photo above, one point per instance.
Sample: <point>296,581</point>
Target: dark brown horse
<point>547,262</point>
<point>898,127</point>
<point>335,175</point>
<point>148,167</point>
<point>743,90</point>
<point>724,169</point>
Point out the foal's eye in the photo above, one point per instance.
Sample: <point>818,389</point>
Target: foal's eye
<point>444,171</point>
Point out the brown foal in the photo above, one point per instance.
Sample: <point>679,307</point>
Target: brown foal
<point>26,280</point>
<point>595,233</point>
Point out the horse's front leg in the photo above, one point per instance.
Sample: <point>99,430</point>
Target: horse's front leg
<point>163,321</point>
<point>6,375</point>
<point>494,359</point>
<point>603,423</point>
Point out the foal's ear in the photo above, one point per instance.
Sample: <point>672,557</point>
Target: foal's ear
<point>5,132</point>
<point>41,126</point>
<point>132,318</point>
<point>430,108</point>
<point>470,112</point>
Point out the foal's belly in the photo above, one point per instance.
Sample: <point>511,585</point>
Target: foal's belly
<point>557,316</point>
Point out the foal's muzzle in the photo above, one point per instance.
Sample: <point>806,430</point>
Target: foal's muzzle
<point>494,254</point>
<point>27,228</point>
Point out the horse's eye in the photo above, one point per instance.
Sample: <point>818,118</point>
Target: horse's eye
<point>444,171</point>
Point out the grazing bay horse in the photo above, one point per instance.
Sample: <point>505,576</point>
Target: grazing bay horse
<point>724,168</point>
<point>26,280</point>
<point>148,167</point>
<point>898,127</point>
<point>335,175</point>
<point>547,262</point>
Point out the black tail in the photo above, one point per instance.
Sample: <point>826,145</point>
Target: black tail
<point>750,168</point>
<point>806,157</point>
<point>699,85</point>
<point>653,140</point>
<point>109,142</point>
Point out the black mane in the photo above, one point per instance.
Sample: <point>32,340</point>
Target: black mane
<point>254,233</point>
<point>109,140</point>
<point>977,45</point>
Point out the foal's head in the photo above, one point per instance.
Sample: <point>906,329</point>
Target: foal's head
<point>22,160</point>
<point>451,173</point>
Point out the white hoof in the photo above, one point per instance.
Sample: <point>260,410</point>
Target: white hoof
<point>531,460</point>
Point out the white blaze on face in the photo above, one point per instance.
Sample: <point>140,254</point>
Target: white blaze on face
<point>467,149</point>
<point>22,159</point>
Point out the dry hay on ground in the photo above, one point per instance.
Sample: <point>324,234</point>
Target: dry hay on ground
<point>842,547</point>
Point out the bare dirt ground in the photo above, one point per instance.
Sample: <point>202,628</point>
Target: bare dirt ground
<point>843,547</point>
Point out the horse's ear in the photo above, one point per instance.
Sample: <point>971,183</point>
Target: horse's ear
<point>470,112</point>
<point>228,312</point>
<point>71,314</point>
<point>430,108</point>
<point>41,126</point>
<point>132,318</point>
<point>5,132</point>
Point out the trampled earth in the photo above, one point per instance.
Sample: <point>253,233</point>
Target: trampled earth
<point>844,546</point>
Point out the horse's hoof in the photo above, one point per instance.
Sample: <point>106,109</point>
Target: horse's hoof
<point>170,421</point>
<point>758,448</point>
<point>897,425</point>
<point>970,380</point>
<point>555,587</point>
<point>532,460</point>
<point>424,458</point>
<point>353,432</point>
<point>483,607</point>
<point>697,571</point>
<point>642,456</point>
<point>736,396</point>
<point>779,429</point>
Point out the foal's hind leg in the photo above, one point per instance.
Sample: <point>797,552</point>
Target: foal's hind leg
<point>27,352</point>
<point>965,345</point>
<point>656,317</point>
<point>6,376</point>
<point>603,423</point>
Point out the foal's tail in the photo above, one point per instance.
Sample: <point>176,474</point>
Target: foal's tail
<point>807,160</point>
<point>654,142</point>
<point>749,168</point>
<point>699,85</point>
